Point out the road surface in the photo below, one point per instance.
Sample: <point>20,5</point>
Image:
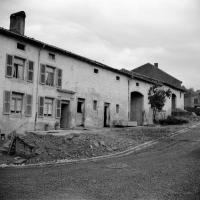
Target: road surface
<point>169,170</point>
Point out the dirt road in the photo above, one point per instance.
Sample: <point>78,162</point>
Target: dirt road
<point>169,170</point>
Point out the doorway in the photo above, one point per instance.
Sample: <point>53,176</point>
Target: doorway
<point>136,112</point>
<point>173,102</point>
<point>65,114</point>
<point>80,112</point>
<point>106,115</point>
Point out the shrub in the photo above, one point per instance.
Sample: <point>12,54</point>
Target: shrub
<point>171,120</point>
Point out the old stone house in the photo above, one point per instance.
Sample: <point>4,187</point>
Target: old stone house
<point>43,85</point>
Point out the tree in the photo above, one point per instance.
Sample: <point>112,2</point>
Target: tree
<point>157,97</point>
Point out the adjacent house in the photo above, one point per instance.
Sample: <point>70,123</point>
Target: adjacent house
<point>42,85</point>
<point>192,99</point>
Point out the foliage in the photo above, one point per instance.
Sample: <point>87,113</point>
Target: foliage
<point>157,97</point>
<point>171,120</point>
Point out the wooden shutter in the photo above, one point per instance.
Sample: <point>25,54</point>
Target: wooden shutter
<point>9,65</point>
<point>58,108</point>
<point>30,71</point>
<point>41,107</point>
<point>6,102</point>
<point>59,78</point>
<point>29,99</point>
<point>42,73</point>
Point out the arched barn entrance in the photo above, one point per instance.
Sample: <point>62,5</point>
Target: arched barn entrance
<point>173,102</point>
<point>136,107</point>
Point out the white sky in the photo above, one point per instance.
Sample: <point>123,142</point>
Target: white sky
<point>119,33</point>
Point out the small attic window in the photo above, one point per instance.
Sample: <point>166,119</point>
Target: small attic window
<point>137,84</point>
<point>96,71</point>
<point>52,56</point>
<point>21,46</point>
<point>117,78</point>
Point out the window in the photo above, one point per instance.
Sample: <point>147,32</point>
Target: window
<point>117,78</point>
<point>48,107</point>
<point>94,105</point>
<point>195,101</point>
<point>80,105</point>
<point>52,56</point>
<point>50,76</point>
<point>13,103</point>
<point>21,46</point>
<point>180,94</point>
<point>16,103</point>
<point>117,108</point>
<point>15,68</point>
<point>137,84</point>
<point>18,68</point>
<point>96,71</point>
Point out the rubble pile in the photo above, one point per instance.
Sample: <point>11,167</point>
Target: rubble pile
<point>43,148</point>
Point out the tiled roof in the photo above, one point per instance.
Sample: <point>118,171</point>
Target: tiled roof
<point>158,74</point>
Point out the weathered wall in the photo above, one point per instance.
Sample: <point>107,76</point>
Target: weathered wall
<point>77,76</point>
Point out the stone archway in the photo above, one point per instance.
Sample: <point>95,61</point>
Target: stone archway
<point>173,102</point>
<point>136,107</point>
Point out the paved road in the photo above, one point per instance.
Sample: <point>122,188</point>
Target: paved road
<point>169,170</point>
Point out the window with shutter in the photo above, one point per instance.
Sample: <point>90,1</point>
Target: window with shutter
<point>42,74</point>
<point>59,78</point>
<point>9,66</point>
<point>30,71</point>
<point>6,102</point>
<point>41,107</point>
<point>58,108</point>
<point>28,105</point>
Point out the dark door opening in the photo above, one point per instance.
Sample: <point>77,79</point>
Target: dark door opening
<point>65,114</point>
<point>106,115</point>
<point>136,107</point>
<point>80,117</point>
<point>173,102</point>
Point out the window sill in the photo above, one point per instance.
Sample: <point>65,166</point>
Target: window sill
<point>19,80</point>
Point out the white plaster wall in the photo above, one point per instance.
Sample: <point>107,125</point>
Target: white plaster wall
<point>77,76</point>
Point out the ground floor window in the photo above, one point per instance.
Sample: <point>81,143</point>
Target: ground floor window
<point>16,103</point>
<point>48,107</point>
<point>80,105</point>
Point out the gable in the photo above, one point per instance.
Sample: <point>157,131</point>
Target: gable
<point>158,74</point>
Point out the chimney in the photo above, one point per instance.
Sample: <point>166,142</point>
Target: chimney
<point>17,22</point>
<point>156,65</point>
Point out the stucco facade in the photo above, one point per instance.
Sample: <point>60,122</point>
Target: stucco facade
<point>42,85</point>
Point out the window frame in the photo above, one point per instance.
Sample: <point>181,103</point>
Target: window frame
<point>22,49</point>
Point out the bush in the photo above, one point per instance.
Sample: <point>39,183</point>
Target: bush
<point>171,120</point>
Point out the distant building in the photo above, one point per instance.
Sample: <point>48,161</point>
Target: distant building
<point>43,85</point>
<point>192,99</point>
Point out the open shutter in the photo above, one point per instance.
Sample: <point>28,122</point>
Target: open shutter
<point>30,71</point>
<point>42,74</point>
<point>41,107</point>
<point>59,78</point>
<point>58,108</point>
<point>6,102</point>
<point>28,111</point>
<point>9,65</point>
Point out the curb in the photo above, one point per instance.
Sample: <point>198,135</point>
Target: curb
<point>97,158</point>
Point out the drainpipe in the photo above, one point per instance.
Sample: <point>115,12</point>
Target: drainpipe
<point>38,74</point>
<point>128,100</point>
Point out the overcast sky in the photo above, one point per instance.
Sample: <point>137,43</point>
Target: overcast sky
<point>119,33</point>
